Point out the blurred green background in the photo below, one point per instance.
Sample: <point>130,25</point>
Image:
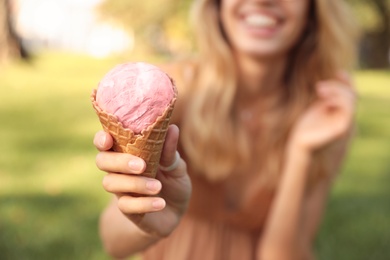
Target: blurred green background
<point>50,188</point>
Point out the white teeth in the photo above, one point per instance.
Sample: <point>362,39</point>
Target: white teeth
<point>260,20</point>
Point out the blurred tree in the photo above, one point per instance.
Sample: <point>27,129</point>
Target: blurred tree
<point>374,18</point>
<point>10,44</point>
<point>160,24</point>
<point>163,25</point>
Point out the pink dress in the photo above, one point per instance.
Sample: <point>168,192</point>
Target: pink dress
<point>224,221</point>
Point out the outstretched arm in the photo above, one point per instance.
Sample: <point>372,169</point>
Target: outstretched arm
<point>131,223</point>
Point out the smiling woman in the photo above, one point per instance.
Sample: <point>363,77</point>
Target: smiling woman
<point>263,32</point>
<point>265,112</point>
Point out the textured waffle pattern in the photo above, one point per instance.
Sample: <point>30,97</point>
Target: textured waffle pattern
<point>147,145</point>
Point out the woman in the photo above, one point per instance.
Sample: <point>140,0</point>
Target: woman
<point>265,112</point>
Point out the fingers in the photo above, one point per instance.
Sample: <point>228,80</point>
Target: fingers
<point>335,93</point>
<point>121,183</point>
<point>124,181</point>
<point>137,205</point>
<point>120,162</point>
<point>103,141</point>
<point>126,163</point>
<point>338,102</point>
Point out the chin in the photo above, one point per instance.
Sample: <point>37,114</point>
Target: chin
<point>265,52</point>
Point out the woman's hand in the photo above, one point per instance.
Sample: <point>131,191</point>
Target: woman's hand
<point>163,200</point>
<point>328,118</point>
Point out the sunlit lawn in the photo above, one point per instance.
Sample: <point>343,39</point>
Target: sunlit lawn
<point>50,189</point>
<point>357,224</point>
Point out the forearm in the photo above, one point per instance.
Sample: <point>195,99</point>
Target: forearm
<point>119,235</point>
<point>281,235</point>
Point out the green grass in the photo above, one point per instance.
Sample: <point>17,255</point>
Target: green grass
<point>357,222</point>
<point>50,188</point>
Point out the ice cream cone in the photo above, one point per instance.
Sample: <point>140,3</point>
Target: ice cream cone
<point>147,145</point>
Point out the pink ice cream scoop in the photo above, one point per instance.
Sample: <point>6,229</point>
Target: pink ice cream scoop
<point>136,93</point>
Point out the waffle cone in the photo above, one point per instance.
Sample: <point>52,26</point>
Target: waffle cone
<point>147,145</point>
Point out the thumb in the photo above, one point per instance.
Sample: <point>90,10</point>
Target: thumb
<point>168,155</point>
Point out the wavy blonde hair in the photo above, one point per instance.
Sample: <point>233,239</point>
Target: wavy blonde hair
<point>213,139</point>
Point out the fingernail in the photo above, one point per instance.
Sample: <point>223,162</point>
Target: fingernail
<point>136,165</point>
<point>158,204</point>
<point>102,141</point>
<point>153,185</point>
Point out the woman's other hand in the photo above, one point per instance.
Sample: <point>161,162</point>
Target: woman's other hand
<point>328,118</point>
<point>154,205</point>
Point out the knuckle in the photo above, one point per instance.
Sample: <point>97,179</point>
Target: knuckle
<point>107,183</point>
<point>131,186</point>
<point>121,204</point>
<point>99,160</point>
<point>130,205</point>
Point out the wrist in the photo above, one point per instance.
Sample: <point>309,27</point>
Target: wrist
<point>294,147</point>
<point>297,154</point>
<point>149,237</point>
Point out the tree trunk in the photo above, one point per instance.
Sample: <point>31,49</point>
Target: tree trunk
<point>376,44</point>
<point>10,46</point>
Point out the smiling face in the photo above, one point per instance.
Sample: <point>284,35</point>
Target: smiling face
<point>263,28</point>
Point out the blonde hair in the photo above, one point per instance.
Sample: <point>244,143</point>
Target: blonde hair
<point>215,143</point>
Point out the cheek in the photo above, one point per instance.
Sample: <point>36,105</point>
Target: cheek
<point>224,13</point>
<point>299,16</point>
